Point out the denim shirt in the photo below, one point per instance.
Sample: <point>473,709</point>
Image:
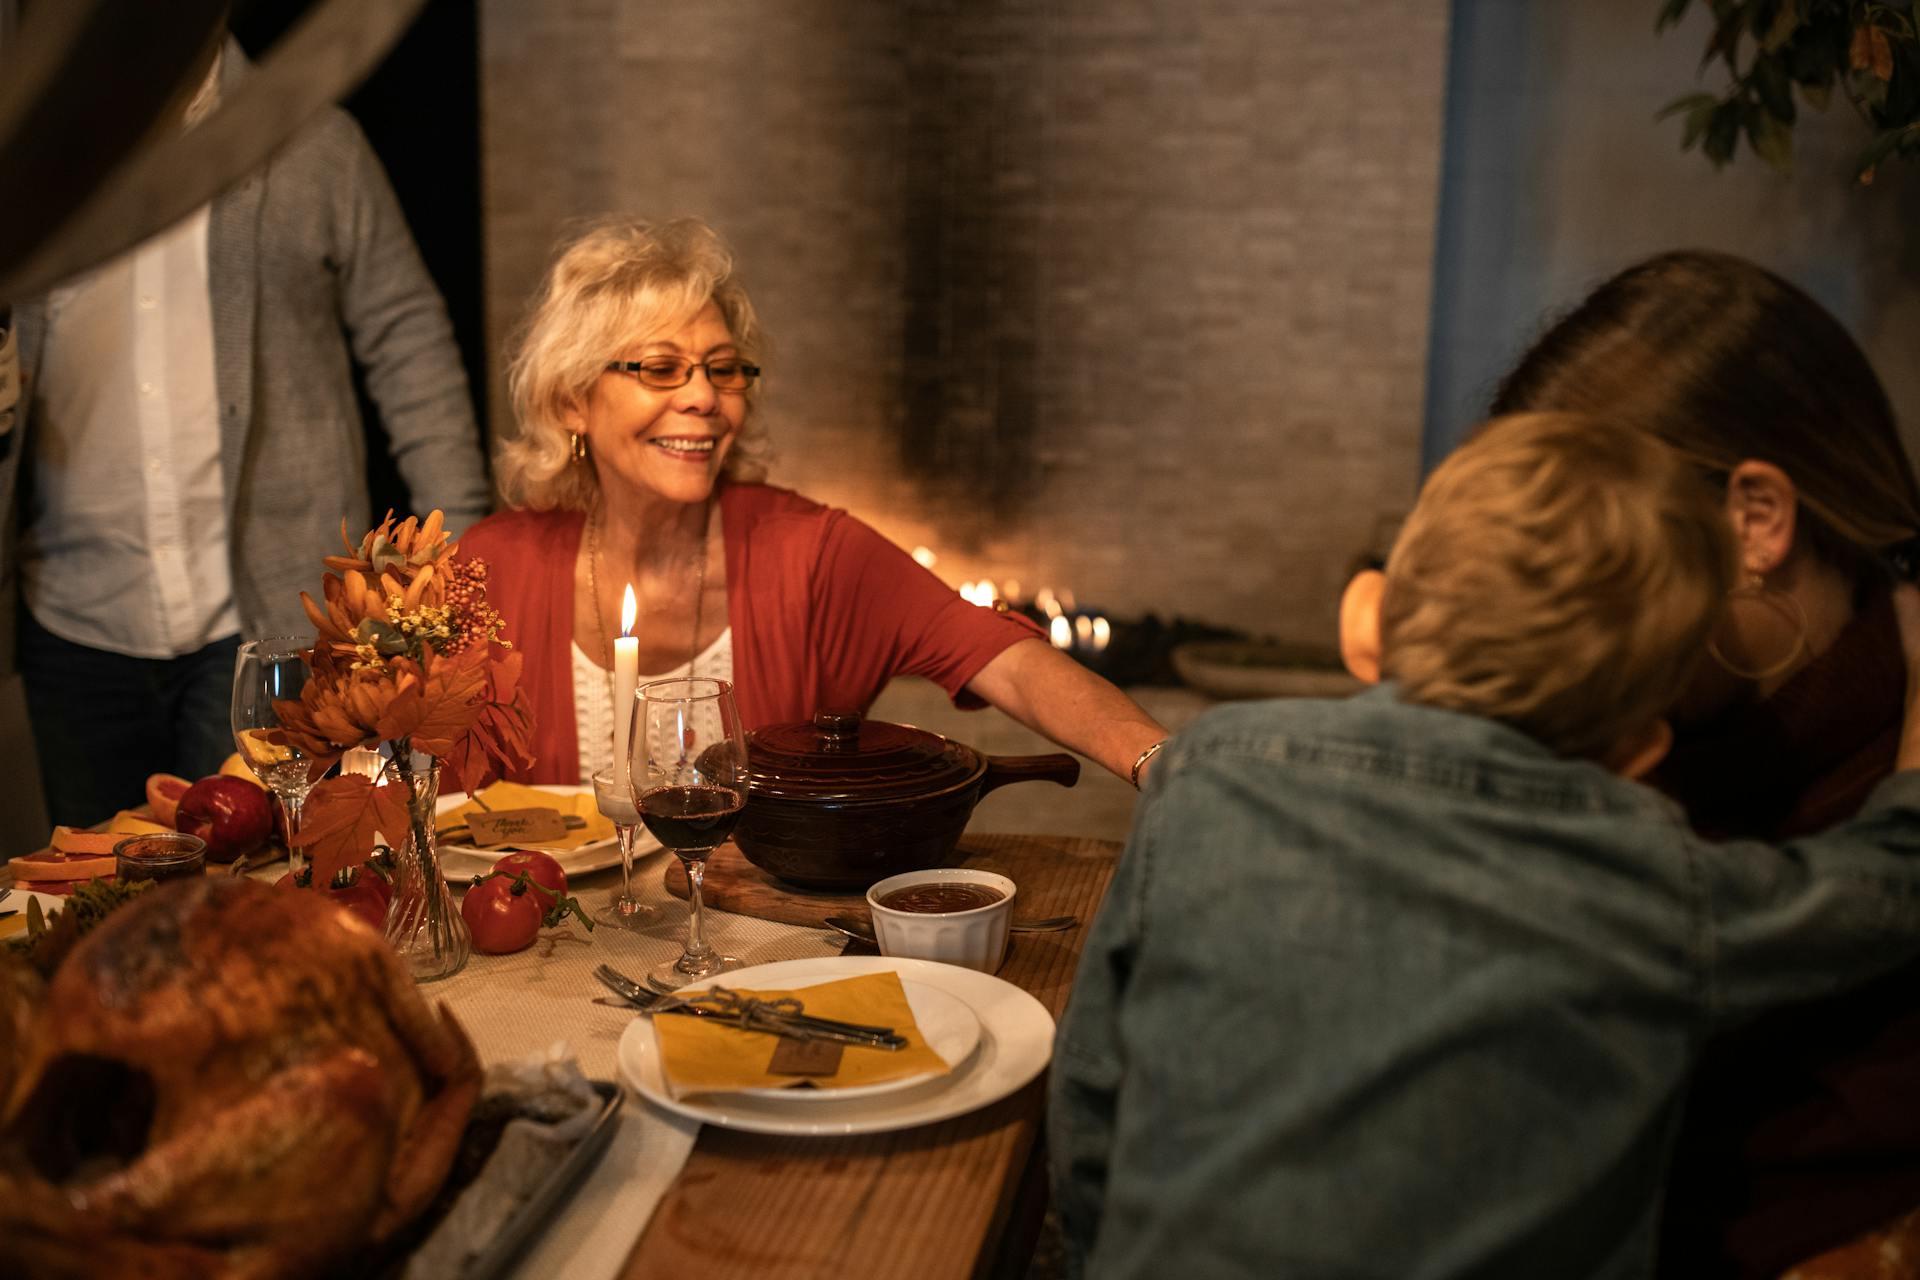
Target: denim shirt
<point>1381,990</point>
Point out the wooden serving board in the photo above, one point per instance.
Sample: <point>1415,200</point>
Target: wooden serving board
<point>1046,869</point>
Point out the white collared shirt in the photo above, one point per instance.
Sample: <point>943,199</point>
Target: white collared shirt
<point>125,542</point>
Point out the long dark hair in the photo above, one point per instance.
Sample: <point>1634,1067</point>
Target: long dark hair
<point>1726,361</point>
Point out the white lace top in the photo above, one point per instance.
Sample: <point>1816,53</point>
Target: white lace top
<point>593,698</point>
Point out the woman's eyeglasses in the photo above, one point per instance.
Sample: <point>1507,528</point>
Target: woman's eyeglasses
<point>669,373</point>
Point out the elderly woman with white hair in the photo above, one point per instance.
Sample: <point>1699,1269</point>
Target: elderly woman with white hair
<point>634,386</point>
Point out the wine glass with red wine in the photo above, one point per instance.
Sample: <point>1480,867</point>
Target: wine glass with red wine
<point>689,783</point>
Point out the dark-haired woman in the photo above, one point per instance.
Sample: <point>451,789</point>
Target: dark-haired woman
<point>1804,1130</point>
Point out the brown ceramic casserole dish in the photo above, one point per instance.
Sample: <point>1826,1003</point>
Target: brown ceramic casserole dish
<point>843,801</point>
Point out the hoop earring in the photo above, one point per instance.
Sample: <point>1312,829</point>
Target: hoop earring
<point>578,448</point>
<point>1755,588</point>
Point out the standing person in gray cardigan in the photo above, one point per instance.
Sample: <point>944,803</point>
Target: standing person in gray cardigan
<point>188,443</point>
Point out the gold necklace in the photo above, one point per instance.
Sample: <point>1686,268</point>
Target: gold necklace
<point>600,611</point>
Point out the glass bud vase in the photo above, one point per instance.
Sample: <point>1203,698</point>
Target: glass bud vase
<point>424,924</point>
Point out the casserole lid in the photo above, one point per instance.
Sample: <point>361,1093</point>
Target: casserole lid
<point>840,756</point>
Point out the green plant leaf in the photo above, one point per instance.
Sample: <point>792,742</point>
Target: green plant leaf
<point>1670,13</point>
<point>1771,140</point>
<point>1884,144</point>
<point>1769,80</point>
<point>385,555</point>
<point>1786,21</point>
<point>1871,46</point>
<point>1697,121</point>
<point>1868,88</point>
<point>1723,131</point>
<point>1725,41</point>
<point>1688,102</point>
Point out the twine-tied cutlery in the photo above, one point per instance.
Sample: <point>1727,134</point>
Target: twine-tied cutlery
<point>784,1017</point>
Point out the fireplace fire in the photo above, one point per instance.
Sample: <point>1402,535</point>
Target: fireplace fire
<point>1126,651</point>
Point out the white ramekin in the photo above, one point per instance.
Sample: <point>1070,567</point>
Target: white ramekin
<point>975,939</point>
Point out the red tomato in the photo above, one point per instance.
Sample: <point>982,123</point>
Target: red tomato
<point>503,914</point>
<point>542,867</point>
<point>364,896</point>
<point>375,883</point>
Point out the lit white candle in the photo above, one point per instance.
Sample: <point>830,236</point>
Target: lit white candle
<point>626,671</point>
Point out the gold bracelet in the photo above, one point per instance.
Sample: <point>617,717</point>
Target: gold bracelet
<point>1140,762</point>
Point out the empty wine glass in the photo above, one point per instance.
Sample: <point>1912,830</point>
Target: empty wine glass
<point>266,671</point>
<point>689,783</point>
<point>614,795</point>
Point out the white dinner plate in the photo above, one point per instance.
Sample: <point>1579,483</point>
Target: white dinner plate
<point>15,926</point>
<point>947,1024</point>
<point>1016,1040</point>
<point>459,863</point>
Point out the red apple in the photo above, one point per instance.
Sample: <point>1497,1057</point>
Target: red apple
<point>233,816</point>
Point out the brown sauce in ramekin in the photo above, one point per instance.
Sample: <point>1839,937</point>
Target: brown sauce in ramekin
<point>940,897</point>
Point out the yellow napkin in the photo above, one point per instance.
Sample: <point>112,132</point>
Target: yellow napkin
<point>512,795</point>
<point>702,1056</point>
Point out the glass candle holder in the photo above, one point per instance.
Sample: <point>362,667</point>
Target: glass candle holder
<point>159,856</point>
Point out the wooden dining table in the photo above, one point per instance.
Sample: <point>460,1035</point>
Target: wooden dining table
<point>964,1197</point>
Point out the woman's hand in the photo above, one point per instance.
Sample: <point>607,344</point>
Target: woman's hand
<point>1053,695</point>
<point>1906,607</point>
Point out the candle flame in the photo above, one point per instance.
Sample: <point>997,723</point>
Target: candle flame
<point>1102,634</point>
<point>628,608</point>
<point>1060,631</point>
<point>925,558</point>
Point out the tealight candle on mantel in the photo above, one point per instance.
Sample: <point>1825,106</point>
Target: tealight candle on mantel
<point>626,672</point>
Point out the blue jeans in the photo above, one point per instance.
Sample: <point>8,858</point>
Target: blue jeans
<point>103,721</point>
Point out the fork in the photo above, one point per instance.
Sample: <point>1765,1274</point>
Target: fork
<point>632,992</point>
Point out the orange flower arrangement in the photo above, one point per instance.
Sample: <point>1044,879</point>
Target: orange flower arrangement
<point>409,654</point>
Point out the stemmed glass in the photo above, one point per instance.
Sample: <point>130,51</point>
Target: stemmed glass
<point>269,670</point>
<point>689,783</point>
<point>614,795</point>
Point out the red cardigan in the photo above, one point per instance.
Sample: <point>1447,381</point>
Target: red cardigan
<point>824,612</point>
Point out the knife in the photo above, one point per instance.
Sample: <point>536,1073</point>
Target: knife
<point>797,1028</point>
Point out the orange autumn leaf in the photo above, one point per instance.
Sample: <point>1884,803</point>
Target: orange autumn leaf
<point>1871,50</point>
<point>507,717</point>
<point>341,818</point>
<point>447,702</point>
<point>498,745</point>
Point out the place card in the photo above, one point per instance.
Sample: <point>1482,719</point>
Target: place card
<point>516,826</point>
<point>793,1057</point>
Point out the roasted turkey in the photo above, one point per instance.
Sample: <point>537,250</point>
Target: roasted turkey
<point>226,1080</point>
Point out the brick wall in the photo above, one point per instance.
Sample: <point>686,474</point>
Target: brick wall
<point>1130,298</point>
